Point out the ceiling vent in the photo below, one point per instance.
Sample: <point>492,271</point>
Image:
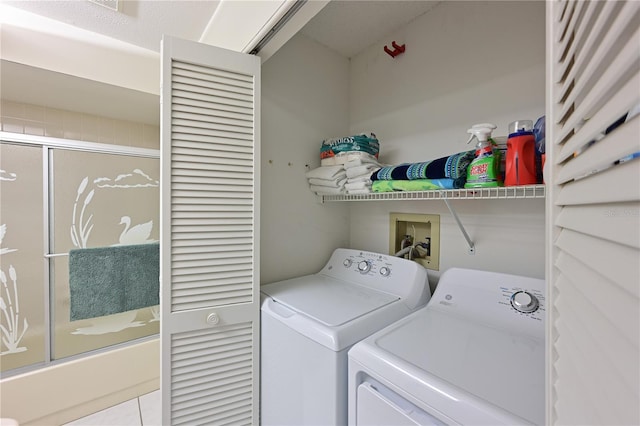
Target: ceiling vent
<point>109,4</point>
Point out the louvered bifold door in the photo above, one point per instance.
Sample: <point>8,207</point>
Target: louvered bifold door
<point>209,245</point>
<point>593,212</point>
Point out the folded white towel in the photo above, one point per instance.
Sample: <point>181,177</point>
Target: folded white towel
<point>361,178</point>
<point>361,161</point>
<point>357,185</point>
<point>326,190</point>
<point>345,157</point>
<point>325,172</point>
<point>362,170</point>
<point>331,161</point>
<point>334,183</point>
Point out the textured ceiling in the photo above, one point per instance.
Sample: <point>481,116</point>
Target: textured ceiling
<point>350,26</point>
<point>345,26</point>
<point>140,23</point>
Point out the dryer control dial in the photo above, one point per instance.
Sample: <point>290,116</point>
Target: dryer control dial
<point>364,266</point>
<point>347,263</point>
<point>385,271</point>
<point>523,301</point>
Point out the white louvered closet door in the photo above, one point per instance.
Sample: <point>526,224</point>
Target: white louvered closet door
<point>210,299</point>
<point>593,212</point>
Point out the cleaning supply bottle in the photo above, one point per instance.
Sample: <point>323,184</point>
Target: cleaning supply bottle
<point>484,170</point>
<point>521,154</point>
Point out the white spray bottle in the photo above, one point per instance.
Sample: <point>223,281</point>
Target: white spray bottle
<point>483,172</point>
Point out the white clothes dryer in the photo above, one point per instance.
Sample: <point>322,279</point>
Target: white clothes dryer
<point>475,355</point>
<point>309,323</point>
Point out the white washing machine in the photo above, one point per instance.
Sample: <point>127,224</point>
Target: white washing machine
<point>475,355</point>
<point>309,323</point>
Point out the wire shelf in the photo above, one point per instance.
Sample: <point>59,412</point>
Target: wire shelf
<point>503,192</point>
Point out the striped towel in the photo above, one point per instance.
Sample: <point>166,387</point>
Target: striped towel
<point>451,167</point>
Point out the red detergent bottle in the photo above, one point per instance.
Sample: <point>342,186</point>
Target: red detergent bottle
<point>521,154</point>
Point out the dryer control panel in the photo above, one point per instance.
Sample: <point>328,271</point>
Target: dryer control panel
<point>529,302</point>
<point>506,301</point>
<point>394,275</point>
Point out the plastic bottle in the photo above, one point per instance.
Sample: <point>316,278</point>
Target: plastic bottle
<point>539,132</point>
<point>484,170</point>
<point>521,154</point>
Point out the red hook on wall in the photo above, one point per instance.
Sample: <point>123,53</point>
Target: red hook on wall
<point>397,49</point>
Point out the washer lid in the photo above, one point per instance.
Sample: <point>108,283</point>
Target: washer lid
<point>327,300</point>
<point>503,368</point>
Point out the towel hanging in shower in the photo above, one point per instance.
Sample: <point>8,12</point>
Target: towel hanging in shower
<point>109,280</point>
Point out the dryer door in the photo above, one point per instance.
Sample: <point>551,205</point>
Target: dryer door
<point>377,406</point>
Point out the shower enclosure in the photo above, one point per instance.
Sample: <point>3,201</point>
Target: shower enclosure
<point>56,196</point>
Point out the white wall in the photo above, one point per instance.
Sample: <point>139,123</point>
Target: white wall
<point>304,100</point>
<point>84,54</point>
<point>465,63</point>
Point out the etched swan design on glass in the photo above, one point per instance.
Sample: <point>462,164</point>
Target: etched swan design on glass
<point>138,234</point>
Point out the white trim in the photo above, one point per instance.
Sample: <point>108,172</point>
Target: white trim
<point>46,241</point>
<point>78,145</point>
<point>550,230</point>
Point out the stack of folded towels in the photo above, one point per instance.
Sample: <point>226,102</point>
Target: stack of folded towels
<point>327,180</point>
<point>359,175</point>
<point>346,164</point>
<point>442,173</point>
<point>365,174</point>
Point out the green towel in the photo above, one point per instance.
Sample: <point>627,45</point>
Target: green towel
<point>108,280</point>
<point>416,185</point>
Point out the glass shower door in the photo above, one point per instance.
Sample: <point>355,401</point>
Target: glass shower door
<point>23,297</point>
<point>106,201</point>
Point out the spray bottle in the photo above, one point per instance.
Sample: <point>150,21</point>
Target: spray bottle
<point>484,170</point>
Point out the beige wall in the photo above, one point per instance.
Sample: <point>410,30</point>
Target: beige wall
<point>38,120</point>
<point>71,390</point>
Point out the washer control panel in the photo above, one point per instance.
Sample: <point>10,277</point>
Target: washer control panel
<point>384,272</point>
<point>364,266</point>
<point>371,263</point>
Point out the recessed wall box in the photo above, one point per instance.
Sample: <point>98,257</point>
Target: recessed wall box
<point>416,237</point>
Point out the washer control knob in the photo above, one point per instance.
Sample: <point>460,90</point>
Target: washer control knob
<point>523,301</point>
<point>364,266</point>
<point>385,271</point>
<point>347,263</point>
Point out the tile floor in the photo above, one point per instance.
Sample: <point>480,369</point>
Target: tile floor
<point>142,411</point>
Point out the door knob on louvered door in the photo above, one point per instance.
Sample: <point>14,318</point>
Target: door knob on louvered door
<point>213,318</point>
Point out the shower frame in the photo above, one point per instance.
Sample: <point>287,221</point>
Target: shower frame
<point>48,145</point>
